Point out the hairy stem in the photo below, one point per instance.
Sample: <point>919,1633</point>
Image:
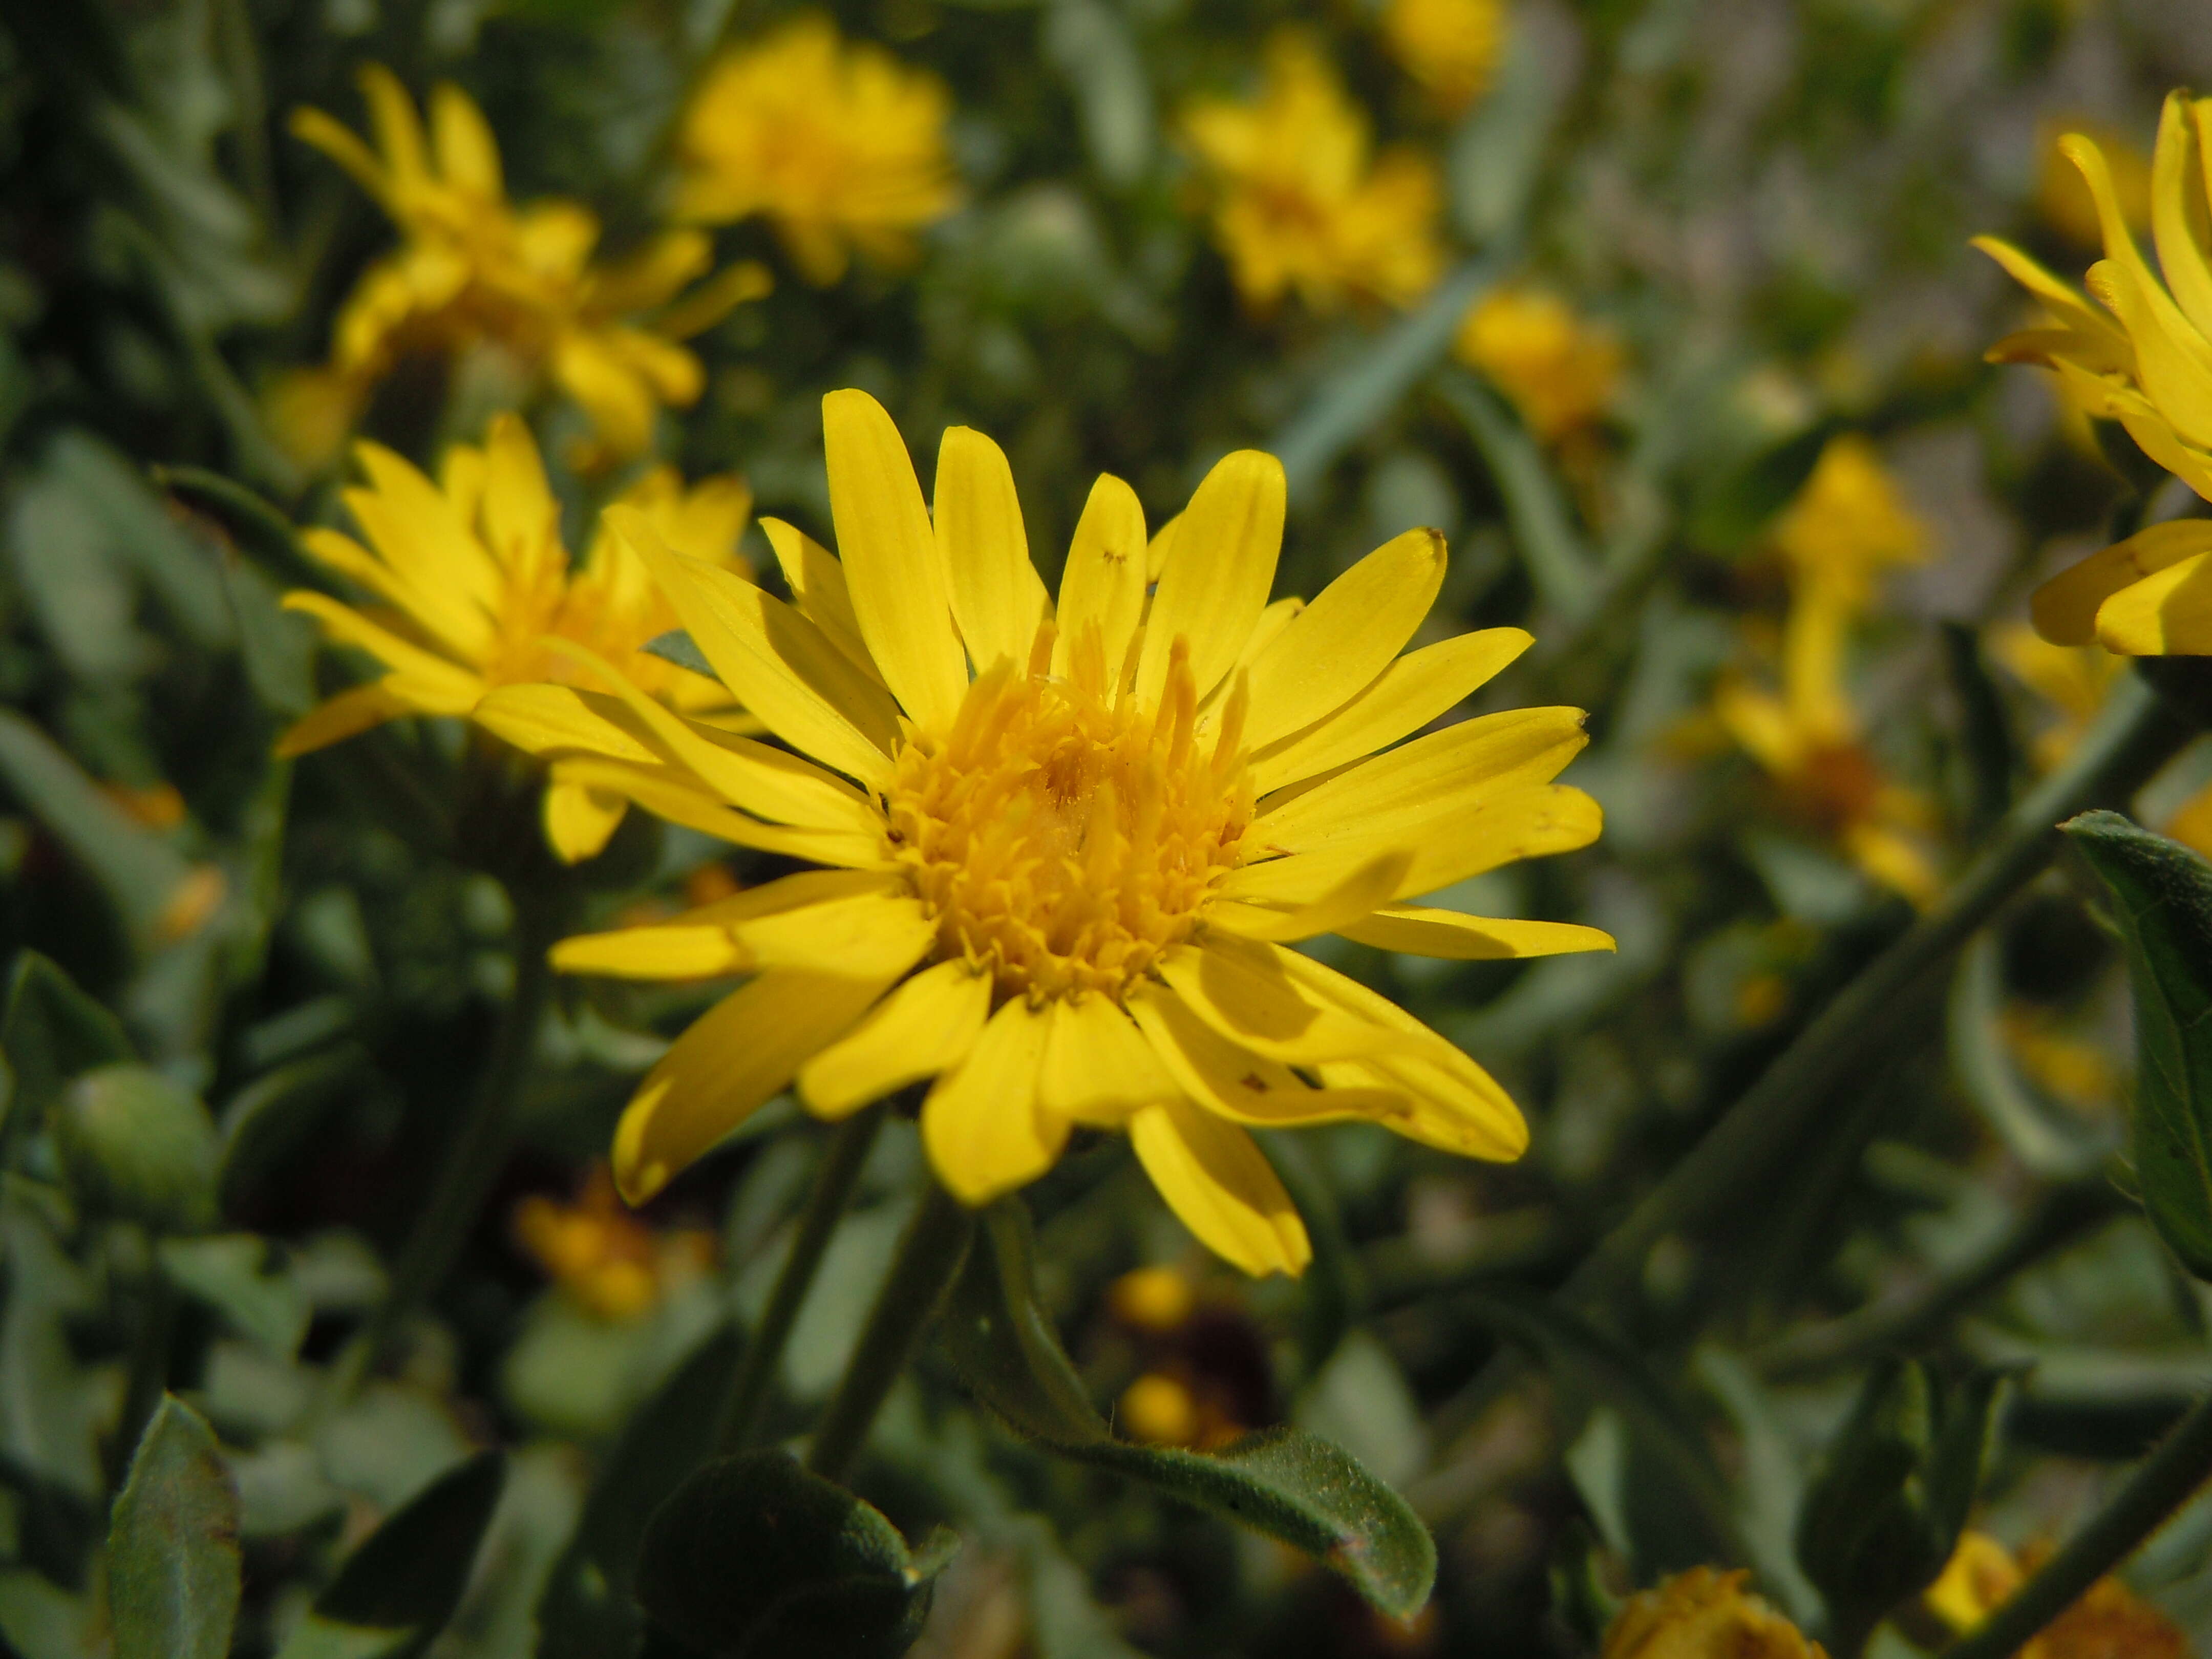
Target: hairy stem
<point>738,1419</point>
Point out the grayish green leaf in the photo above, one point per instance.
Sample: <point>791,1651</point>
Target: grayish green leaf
<point>172,1563</point>
<point>235,1274</point>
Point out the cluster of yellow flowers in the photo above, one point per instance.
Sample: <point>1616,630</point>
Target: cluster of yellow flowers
<point>1847,528</point>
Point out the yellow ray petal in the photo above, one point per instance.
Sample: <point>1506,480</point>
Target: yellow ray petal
<point>997,598</point>
<point>1221,1187</point>
<point>1232,1081</point>
<point>391,115</point>
<point>2062,298</point>
<point>675,795</point>
<point>339,143</point>
<point>779,664</point>
<point>818,583</point>
<point>461,139</point>
<point>1239,990</point>
<point>2065,609</point>
<point>2176,210</point>
<point>981,1122</point>
<point>1221,565</point>
<point>735,1057</point>
<point>864,933</point>
<point>1333,649</point>
<point>1103,585</point>
<point>553,719</point>
<point>926,1026</point>
<point>1097,1065</point>
<point>418,528</point>
<point>520,516</point>
<point>890,553</point>
<point>579,820</point>
<point>1422,932</point>
<point>1405,696</point>
<point>1366,888</point>
<point>345,715</point>
<point>452,689</point>
<point>2169,612</point>
<point>451,619</point>
<point>669,951</point>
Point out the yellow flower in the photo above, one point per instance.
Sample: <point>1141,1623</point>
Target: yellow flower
<point>1561,373</point>
<point>1297,202</point>
<point>613,1264</point>
<point>472,579</point>
<point>473,271</point>
<point>1450,46</point>
<point>1703,1614</point>
<point>1848,527</point>
<point>1061,886</point>
<point>2064,202</point>
<point>2109,1621</point>
<point>841,146</point>
<point>2074,680</point>
<point>2147,364</point>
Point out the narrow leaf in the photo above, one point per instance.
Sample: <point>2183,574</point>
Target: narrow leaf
<point>172,1564</point>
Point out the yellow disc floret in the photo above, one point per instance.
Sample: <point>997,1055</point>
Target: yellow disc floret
<point>1063,840</point>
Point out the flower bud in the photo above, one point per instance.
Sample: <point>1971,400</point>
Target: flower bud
<point>136,1145</point>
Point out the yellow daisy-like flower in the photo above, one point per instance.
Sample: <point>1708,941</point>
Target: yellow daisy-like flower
<point>2108,1621</point>
<point>475,583</point>
<point>1451,47</point>
<point>1561,373</point>
<point>1063,848</point>
<point>474,271</point>
<point>2146,362</point>
<point>1298,204</point>
<point>841,146</point>
<point>1849,526</point>
<point>1703,1614</point>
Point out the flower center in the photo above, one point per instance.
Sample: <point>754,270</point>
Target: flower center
<point>1063,840</point>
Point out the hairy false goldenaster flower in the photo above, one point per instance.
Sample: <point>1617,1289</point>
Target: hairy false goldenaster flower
<point>2146,362</point>
<point>1705,1614</point>
<point>1297,202</point>
<point>1063,847</point>
<point>473,581</point>
<point>1561,373</point>
<point>474,271</point>
<point>1450,46</point>
<point>841,146</point>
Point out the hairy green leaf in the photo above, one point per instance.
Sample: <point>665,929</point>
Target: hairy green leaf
<point>172,1563</point>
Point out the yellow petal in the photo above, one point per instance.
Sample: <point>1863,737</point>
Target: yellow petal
<point>1102,587</point>
<point>345,715</point>
<point>1405,696</point>
<point>2047,287</point>
<point>890,553</point>
<point>1233,1081</point>
<point>451,690</point>
<point>816,581</point>
<point>420,530</point>
<point>2167,613</point>
<point>675,795</point>
<point>1239,990</point>
<point>521,517</point>
<point>579,820</point>
<point>981,1122</point>
<point>312,126</point>
<point>1421,931</point>
<point>1222,564</point>
<point>458,625</point>
<point>461,138</point>
<point>671,951</point>
<point>737,1056</point>
<point>924,1027</point>
<point>399,131</point>
<point>1333,649</point>
<point>1367,888</point>
<point>779,664</point>
<point>2177,211</point>
<point>2065,609</point>
<point>867,934</point>
<point>997,598</point>
<point>1221,1187</point>
<point>554,720</point>
<point>1097,1065</point>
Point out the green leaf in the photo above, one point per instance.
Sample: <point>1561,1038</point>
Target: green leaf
<point>395,1593</point>
<point>754,1557</point>
<point>1285,1483</point>
<point>2163,895</point>
<point>677,647</point>
<point>235,1274</point>
<point>1559,566</point>
<point>261,532</point>
<point>268,1119</point>
<point>586,1609</point>
<point>139,1146</point>
<point>52,1031</point>
<point>172,1564</point>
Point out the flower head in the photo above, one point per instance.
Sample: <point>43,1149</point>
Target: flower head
<point>1064,845</point>
<point>1561,373</point>
<point>473,271</point>
<point>1848,527</point>
<point>1703,1614</point>
<point>2110,1618</point>
<point>601,1255</point>
<point>2146,362</point>
<point>473,581</point>
<point>841,146</point>
<point>1297,201</point>
<point>1450,46</point>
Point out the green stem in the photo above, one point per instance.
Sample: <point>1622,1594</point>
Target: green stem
<point>929,1257</point>
<point>2137,735</point>
<point>2161,1484</point>
<point>149,1375</point>
<point>738,1419</point>
<point>472,1161</point>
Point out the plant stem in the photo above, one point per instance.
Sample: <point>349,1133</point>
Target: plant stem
<point>148,1376</point>
<point>472,1161</point>
<point>2136,736</point>
<point>2161,1483</point>
<point>929,1257</point>
<point>738,1419</point>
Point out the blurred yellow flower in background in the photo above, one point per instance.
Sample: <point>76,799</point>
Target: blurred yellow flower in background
<point>1298,202</point>
<point>1703,1614</point>
<point>1561,373</point>
<point>1452,47</point>
<point>609,1261</point>
<point>841,146</point>
<point>473,577</point>
<point>1061,886</point>
<point>2110,1621</point>
<point>2074,680</point>
<point>474,271</point>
